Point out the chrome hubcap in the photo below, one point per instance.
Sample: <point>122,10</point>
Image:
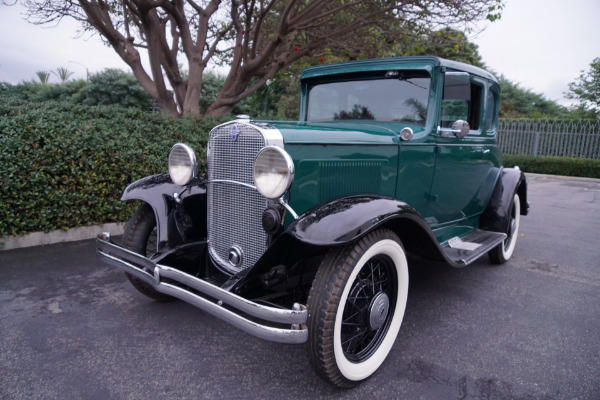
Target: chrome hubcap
<point>378,310</point>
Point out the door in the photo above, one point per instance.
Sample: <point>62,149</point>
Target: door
<point>465,168</point>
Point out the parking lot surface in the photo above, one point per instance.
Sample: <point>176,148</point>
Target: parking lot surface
<point>73,328</point>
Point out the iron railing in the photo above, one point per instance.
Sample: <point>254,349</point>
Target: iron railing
<point>550,138</point>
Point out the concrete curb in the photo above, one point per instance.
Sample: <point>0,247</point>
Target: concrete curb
<point>57,236</point>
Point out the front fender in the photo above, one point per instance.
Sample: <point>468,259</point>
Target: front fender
<point>340,222</point>
<point>347,219</point>
<point>158,191</point>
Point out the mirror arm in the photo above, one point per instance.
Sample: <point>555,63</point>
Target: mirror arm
<point>459,128</point>
<point>447,132</point>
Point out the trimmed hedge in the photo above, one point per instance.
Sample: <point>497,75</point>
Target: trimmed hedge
<point>566,166</point>
<point>66,166</point>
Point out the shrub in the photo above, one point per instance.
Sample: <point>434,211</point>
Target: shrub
<point>108,87</point>
<point>113,86</point>
<point>65,166</point>
<point>567,166</point>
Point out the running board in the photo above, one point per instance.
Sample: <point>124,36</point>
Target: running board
<point>463,251</point>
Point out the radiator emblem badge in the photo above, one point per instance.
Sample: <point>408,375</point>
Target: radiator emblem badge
<point>234,132</point>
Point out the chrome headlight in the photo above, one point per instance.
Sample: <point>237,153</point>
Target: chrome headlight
<point>273,172</point>
<point>182,164</point>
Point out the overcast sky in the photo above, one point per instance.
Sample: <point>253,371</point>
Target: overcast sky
<point>540,44</point>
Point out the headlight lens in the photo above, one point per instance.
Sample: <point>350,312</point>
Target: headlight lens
<point>273,172</point>
<point>182,164</point>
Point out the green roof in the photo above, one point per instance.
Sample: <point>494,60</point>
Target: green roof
<point>382,64</point>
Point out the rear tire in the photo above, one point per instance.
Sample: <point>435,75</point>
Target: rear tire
<point>140,237</point>
<point>355,308</point>
<point>504,251</point>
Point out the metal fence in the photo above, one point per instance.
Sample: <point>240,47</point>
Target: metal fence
<point>550,138</point>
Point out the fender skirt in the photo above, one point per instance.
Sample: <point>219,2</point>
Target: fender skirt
<point>176,223</point>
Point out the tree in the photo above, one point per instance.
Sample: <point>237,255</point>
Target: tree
<point>63,74</point>
<point>446,43</point>
<point>256,38</point>
<point>586,89</point>
<point>279,98</point>
<point>43,76</point>
<point>516,102</point>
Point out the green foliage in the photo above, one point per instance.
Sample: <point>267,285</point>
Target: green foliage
<point>66,165</point>
<point>109,87</point>
<point>23,91</point>
<point>63,74</point>
<point>212,84</point>
<point>43,76</point>
<point>445,43</point>
<point>280,97</point>
<point>516,102</point>
<point>495,11</point>
<point>566,166</point>
<point>65,92</point>
<point>586,89</point>
<point>36,92</point>
<point>113,86</point>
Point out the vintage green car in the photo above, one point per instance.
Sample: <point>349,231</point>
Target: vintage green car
<point>301,230</point>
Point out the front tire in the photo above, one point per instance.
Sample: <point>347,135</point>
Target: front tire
<point>504,251</point>
<point>355,308</point>
<point>140,237</point>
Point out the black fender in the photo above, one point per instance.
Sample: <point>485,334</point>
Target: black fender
<point>496,216</point>
<point>176,223</point>
<point>348,219</point>
<point>340,222</point>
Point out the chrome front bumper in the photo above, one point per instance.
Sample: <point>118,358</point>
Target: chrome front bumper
<point>138,266</point>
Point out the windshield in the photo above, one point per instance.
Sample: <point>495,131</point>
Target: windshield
<point>402,97</point>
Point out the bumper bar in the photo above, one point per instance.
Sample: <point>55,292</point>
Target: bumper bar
<point>138,266</point>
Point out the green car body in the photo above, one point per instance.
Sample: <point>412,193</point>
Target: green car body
<point>447,180</point>
<point>300,231</point>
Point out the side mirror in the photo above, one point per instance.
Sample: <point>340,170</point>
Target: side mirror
<point>459,129</point>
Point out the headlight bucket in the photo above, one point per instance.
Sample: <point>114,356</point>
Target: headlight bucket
<point>182,164</point>
<point>273,172</point>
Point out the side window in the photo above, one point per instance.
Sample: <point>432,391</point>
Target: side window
<point>462,100</point>
<point>475,106</point>
<point>490,111</point>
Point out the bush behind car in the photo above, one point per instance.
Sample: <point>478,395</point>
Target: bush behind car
<point>567,166</point>
<point>65,166</point>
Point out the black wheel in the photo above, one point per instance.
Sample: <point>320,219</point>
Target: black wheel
<point>140,237</point>
<point>355,308</point>
<point>502,253</point>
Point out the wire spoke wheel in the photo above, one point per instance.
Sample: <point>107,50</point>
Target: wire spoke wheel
<point>367,313</point>
<point>356,306</point>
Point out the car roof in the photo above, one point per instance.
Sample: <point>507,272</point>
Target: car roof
<point>381,64</point>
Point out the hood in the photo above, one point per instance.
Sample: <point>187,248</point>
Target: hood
<point>341,132</point>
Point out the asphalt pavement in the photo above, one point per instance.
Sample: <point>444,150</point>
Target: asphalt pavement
<point>73,328</point>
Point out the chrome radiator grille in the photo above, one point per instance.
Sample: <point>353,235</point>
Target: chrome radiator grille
<point>234,211</point>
